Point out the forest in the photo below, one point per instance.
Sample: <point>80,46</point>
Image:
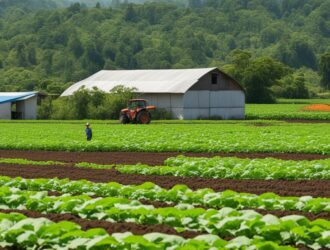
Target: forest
<point>274,48</point>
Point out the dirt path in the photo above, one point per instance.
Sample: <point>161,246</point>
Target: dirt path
<point>138,157</point>
<point>316,188</point>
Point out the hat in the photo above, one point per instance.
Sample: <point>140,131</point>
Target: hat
<point>87,124</point>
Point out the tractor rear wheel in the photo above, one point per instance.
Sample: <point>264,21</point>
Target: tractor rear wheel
<point>143,117</point>
<point>123,119</point>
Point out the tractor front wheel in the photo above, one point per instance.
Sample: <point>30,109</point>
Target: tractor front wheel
<point>123,119</point>
<point>143,117</point>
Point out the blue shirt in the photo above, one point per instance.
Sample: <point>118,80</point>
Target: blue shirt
<point>88,133</point>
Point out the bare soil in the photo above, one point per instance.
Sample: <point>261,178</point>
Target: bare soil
<point>138,157</point>
<point>315,188</point>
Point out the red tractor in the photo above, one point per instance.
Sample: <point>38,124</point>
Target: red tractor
<point>137,111</point>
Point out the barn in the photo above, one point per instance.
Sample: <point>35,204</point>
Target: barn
<point>18,105</point>
<point>187,93</point>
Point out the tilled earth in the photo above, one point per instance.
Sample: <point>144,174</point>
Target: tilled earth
<point>315,188</point>
<point>138,157</point>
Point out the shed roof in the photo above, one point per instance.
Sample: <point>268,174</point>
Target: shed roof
<point>15,96</point>
<point>145,81</point>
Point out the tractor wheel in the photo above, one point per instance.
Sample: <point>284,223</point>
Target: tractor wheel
<point>123,119</point>
<point>143,117</point>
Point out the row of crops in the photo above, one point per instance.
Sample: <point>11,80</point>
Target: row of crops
<point>226,222</point>
<point>229,168</point>
<point>223,220</point>
<point>235,168</point>
<point>243,229</point>
<point>16,229</point>
<point>216,167</point>
<point>178,194</point>
<point>233,136</point>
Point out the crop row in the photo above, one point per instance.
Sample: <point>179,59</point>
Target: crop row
<point>222,137</point>
<point>226,222</point>
<point>16,230</point>
<point>231,168</point>
<point>29,162</point>
<point>216,167</point>
<point>177,194</point>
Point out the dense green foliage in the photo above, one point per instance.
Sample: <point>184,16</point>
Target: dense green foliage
<point>226,222</point>
<point>87,104</point>
<point>177,194</point>
<point>212,137</point>
<point>325,70</point>
<point>49,49</point>
<point>18,231</point>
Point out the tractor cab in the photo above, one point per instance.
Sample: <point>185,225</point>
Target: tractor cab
<point>137,111</point>
<point>137,103</point>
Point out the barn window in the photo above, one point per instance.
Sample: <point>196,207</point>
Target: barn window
<point>214,79</point>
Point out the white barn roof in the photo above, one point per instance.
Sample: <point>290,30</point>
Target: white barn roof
<point>145,81</point>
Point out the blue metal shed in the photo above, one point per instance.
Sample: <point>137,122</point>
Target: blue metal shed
<point>18,105</point>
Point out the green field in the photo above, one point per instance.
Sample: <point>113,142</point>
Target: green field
<point>220,137</point>
<point>287,109</point>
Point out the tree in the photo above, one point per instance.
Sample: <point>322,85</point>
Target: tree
<point>80,101</point>
<point>325,70</point>
<point>75,46</point>
<point>75,8</point>
<point>115,3</point>
<point>194,4</point>
<point>240,60</point>
<point>293,86</point>
<point>130,14</point>
<point>259,77</point>
<point>31,55</point>
<point>21,55</point>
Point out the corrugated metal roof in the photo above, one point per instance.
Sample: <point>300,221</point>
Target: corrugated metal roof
<point>15,96</point>
<point>145,81</point>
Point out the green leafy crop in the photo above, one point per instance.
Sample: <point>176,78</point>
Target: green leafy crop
<point>226,222</point>
<point>234,136</point>
<point>177,194</point>
<point>235,168</point>
<point>16,230</point>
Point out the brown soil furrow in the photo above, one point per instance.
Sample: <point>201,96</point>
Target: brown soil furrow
<point>138,157</point>
<point>110,227</point>
<point>315,188</point>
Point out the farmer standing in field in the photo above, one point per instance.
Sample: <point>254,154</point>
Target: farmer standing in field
<point>88,131</point>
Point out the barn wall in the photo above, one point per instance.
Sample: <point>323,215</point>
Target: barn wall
<point>224,82</point>
<point>171,102</point>
<point>229,104</point>
<point>5,111</point>
<point>28,108</point>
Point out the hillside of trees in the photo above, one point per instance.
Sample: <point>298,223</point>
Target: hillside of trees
<point>277,45</point>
